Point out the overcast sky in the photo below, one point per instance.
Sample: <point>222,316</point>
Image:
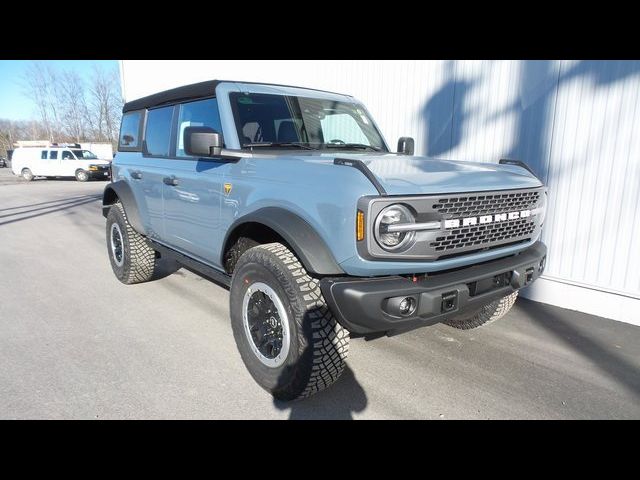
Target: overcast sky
<point>14,105</point>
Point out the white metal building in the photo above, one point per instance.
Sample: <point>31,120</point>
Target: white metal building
<point>576,123</point>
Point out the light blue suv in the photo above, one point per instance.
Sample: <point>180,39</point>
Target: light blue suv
<point>292,198</point>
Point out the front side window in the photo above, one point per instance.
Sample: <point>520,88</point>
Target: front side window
<point>265,120</point>
<point>203,113</point>
<point>157,134</point>
<point>129,131</point>
<point>43,155</point>
<point>53,155</point>
<point>84,154</point>
<point>67,155</point>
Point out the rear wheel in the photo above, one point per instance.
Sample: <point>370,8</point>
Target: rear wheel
<point>82,176</point>
<point>27,175</point>
<point>487,314</point>
<point>132,260</point>
<point>287,337</point>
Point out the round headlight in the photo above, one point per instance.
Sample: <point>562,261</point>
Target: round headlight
<point>393,215</point>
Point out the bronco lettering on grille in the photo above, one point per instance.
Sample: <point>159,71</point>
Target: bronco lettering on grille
<point>485,219</point>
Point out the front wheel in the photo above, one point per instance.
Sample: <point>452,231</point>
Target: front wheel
<point>82,176</point>
<point>487,314</point>
<point>287,337</point>
<point>26,174</point>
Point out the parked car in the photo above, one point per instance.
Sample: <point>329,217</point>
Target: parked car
<point>3,162</point>
<point>30,162</point>
<point>292,198</point>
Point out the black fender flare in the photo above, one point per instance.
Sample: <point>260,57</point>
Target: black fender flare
<point>299,235</point>
<point>121,190</point>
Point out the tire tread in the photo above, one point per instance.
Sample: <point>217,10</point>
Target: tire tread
<point>140,259</point>
<point>487,314</point>
<point>329,346</point>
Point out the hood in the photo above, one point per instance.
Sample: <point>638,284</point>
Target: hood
<point>411,175</point>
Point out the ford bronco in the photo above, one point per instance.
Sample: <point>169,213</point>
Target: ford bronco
<point>291,198</point>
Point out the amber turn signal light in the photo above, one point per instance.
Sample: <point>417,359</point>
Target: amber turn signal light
<point>360,226</point>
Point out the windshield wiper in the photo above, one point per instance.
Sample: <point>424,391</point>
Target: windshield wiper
<point>279,144</point>
<point>351,145</point>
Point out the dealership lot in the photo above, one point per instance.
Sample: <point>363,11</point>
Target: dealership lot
<point>75,343</point>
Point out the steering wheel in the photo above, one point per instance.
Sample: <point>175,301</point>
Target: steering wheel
<point>341,142</point>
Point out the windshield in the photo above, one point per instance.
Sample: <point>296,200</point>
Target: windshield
<point>265,120</point>
<point>84,154</point>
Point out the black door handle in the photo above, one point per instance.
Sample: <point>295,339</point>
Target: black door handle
<point>137,174</point>
<point>172,180</point>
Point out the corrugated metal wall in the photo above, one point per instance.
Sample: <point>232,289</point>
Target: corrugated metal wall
<point>574,122</point>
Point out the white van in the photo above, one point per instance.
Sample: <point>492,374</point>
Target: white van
<point>31,162</point>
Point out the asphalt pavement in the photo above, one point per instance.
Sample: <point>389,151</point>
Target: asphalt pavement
<point>76,343</point>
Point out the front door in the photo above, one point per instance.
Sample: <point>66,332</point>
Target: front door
<point>68,164</point>
<point>194,189</point>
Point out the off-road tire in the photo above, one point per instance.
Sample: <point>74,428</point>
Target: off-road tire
<point>27,174</point>
<point>82,176</point>
<point>139,259</point>
<point>318,343</point>
<point>487,314</point>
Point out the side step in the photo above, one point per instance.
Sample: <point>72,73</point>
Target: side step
<point>192,264</point>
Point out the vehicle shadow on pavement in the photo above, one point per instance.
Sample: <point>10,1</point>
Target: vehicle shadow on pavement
<point>52,208</point>
<point>588,341</point>
<point>337,402</point>
<point>49,203</point>
<point>165,267</point>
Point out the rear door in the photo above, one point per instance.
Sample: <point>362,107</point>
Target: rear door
<point>37,162</point>
<point>152,167</point>
<point>52,165</point>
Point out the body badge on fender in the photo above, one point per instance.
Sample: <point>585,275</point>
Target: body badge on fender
<point>227,188</point>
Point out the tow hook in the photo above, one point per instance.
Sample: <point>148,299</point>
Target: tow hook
<point>522,279</point>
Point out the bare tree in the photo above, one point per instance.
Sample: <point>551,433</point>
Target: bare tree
<point>41,84</point>
<point>12,131</point>
<point>73,106</point>
<point>68,109</point>
<point>105,104</point>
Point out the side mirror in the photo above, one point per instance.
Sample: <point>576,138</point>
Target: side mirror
<point>202,142</point>
<point>405,146</point>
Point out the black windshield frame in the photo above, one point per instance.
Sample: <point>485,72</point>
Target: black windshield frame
<point>295,105</point>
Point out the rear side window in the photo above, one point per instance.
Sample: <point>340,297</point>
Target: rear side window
<point>157,136</point>
<point>43,155</point>
<point>203,113</point>
<point>130,131</point>
<point>53,154</point>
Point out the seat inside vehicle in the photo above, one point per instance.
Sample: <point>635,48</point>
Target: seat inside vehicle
<point>287,132</point>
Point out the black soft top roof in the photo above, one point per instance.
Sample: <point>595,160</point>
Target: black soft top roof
<point>186,92</point>
<point>191,92</point>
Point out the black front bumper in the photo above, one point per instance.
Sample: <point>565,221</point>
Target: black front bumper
<point>101,173</point>
<point>370,305</point>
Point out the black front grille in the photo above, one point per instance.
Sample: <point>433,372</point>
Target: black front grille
<point>486,204</point>
<point>483,234</point>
